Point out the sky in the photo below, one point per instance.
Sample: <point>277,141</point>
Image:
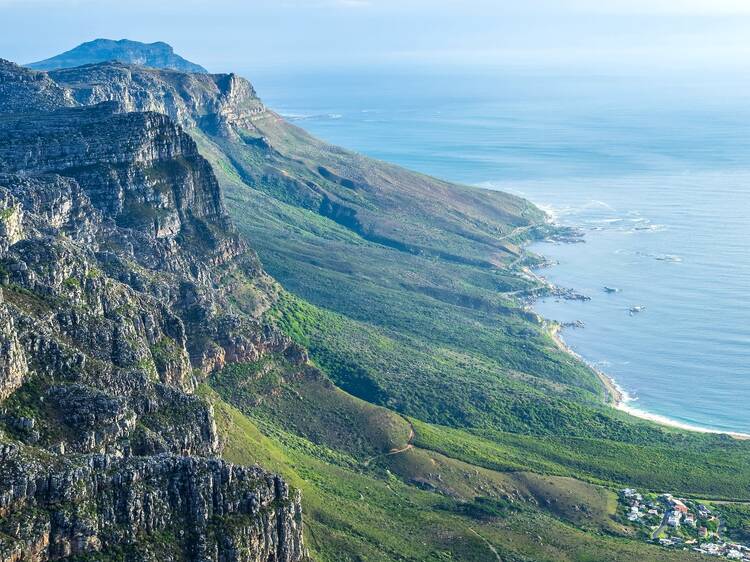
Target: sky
<point>228,35</point>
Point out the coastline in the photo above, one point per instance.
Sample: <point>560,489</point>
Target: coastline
<point>617,398</point>
<point>620,400</point>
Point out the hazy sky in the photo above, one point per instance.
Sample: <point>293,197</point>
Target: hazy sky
<point>225,35</point>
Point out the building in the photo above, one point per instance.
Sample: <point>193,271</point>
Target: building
<point>711,548</point>
<point>673,519</point>
<point>679,506</point>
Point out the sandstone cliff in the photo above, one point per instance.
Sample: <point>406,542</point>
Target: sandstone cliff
<point>122,285</point>
<point>215,102</point>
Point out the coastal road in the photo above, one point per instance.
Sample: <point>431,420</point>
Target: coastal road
<point>519,230</point>
<point>656,533</point>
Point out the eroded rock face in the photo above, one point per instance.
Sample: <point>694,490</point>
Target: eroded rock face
<point>138,168</point>
<point>119,271</point>
<point>26,90</point>
<point>212,101</point>
<point>148,508</point>
<point>13,366</point>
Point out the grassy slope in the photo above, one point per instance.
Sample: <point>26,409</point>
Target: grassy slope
<point>715,469</point>
<point>442,341</point>
<point>382,202</point>
<point>414,505</point>
<point>417,303</point>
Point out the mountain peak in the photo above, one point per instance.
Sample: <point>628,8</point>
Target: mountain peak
<point>156,55</point>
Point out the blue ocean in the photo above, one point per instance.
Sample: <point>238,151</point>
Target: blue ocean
<point>654,168</point>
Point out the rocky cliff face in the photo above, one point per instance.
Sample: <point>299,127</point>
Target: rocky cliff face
<point>145,508</point>
<point>122,285</point>
<point>156,181</point>
<point>215,102</point>
<point>25,90</point>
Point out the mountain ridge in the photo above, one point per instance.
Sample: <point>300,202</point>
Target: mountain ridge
<point>158,54</point>
<point>436,419</point>
<point>227,106</point>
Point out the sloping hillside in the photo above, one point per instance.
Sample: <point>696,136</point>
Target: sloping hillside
<point>437,419</point>
<point>375,244</point>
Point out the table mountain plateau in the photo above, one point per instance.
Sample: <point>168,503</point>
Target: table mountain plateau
<point>158,55</point>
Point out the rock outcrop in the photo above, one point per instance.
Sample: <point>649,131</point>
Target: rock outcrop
<point>156,181</point>
<point>147,507</point>
<point>123,284</point>
<point>215,102</point>
<point>25,90</point>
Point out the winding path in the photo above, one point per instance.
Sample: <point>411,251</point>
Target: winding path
<point>488,543</point>
<point>409,445</point>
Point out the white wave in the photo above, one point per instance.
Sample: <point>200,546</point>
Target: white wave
<point>597,204</point>
<point>626,400</point>
<point>295,116</point>
<point>671,258</point>
<point>625,406</point>
<point>307,116</point>
<point>668,258</point>
<point>555,213</point>
<point>652,228</point>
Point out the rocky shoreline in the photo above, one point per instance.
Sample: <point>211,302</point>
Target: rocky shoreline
<point>567,235</point>
<point>616,397</point>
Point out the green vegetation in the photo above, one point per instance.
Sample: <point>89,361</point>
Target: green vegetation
<point>690,465</point>
<point>484,508</point>
<point>389,509</point>
<point>165,352</point>
<point>6,213</point>
<point>735,521</point>
<point>407,293</point>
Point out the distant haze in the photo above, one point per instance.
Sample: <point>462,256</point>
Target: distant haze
<point>226,35</point>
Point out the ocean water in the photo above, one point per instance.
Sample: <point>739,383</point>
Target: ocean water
<point>655,169</point>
